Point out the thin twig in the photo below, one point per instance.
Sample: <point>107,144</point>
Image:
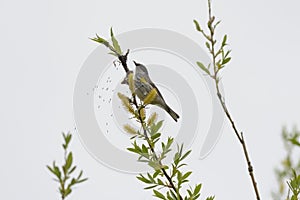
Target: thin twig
<point>242,142</point>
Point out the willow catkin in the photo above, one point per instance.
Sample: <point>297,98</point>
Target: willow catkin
<point>126,104</point>
<point>129,129</point>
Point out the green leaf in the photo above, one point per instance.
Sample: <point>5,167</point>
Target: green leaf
<point>165,167</point>
<point>224,40</point>
<point>82,180</point>
<point>181,165</point>
<point>180,148</point>
<point>207,45</point>
<point>154,165</point>
<point>186,175</point>
<point>203,67</point>
<point>157,172</point>
<point>67,138</point>
<point>115,42</point>
<point>134,150</point>
<point>185,155</point>
<point>179,176</point>
<point>197,25</point>
<point>72,170</point>
<point>210,198</point>
<point>218,22</point>
<point>176,158</point>
<point>143,179</point>
<point>73,182</point>
<point>156,135</point>
<point>156,127</point>
<point>160,182</point>
<point>159,195</point>
<point>57,172</point>
<point>113,53</point>
<point>170,142</point>
<point>100,40</point>
<point>210,22</point>
<point>227,53</point>
<point>69,161</point>
<point>197,189</point>
<point>197,196</point>
<point>169,196</point>
<point>294,141</point>
<point>151,178</point>
<point>68,191</point>
<point>226,60</point>
<point>144,149</point>
<point>173,194</point>
<point>150,187</point>
<point>50,169</point>
<point>79,175</point>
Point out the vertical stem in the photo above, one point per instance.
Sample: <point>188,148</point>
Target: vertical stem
<point>222,102</point>
<point>250,168</point>
<point>242,142</point>
<point>63,181</point>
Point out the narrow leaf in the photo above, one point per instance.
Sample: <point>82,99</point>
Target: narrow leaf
<point>186,175</point>
<point>50,169</point>
<point>100,40</point>
<point>115,42</point>
<point>143,179</point>
<point>185,155</point>
<point>69,161</point>
<point>226,60</point>
<point>197,189</point>
<point>224,40</point>
<point>157,135</point>
<point>82,180</point>
<point>203,67</point>
<point>197,25</point>
<point>159,195</point>
<point>157,126</point>
<point>150,187</point>
<point>207,45</point>
<point>72,170</point>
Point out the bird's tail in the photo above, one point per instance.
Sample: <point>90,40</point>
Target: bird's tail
<point>172,113</point>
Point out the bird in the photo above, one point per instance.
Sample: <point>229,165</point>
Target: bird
<point>143,85</point>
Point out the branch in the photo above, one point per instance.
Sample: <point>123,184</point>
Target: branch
<point>154,160</point>
<point>242,142</point>
<point>219,63</point>
<point>123,60</point>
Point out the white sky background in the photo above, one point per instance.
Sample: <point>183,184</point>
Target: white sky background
<point>44,43</point>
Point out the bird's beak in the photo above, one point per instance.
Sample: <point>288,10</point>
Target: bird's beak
<point>135,63</point>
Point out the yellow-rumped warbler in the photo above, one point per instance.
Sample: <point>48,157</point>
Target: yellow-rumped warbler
<point>143,85</point>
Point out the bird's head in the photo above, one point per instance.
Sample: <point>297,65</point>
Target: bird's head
<point>140,68</point>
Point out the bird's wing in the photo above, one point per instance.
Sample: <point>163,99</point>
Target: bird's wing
<point>148,83</point>
<point>148,80</point>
